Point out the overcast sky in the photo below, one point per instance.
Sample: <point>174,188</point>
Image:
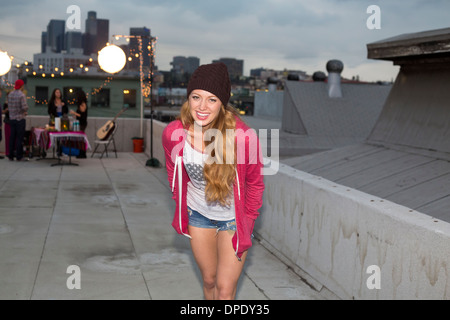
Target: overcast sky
<point>274,34</point>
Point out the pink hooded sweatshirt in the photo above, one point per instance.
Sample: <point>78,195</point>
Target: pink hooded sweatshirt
<point>248,187</point>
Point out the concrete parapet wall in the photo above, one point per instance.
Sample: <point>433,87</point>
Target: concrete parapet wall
<point>334,233</point>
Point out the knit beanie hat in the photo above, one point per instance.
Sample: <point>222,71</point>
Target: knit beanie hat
<point>213,78</point>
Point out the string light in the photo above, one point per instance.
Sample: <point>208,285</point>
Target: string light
<point>146,87</point>
<point>61,74</point>
<point>133,53</point>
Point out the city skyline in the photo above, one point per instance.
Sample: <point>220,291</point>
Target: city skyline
<point>287,34</point>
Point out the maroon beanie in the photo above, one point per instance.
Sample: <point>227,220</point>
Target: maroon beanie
<point>213,78</point>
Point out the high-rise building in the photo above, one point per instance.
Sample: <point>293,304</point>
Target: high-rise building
<point>55,36</point>
<point>73,42</point>
<point>96,34</point>
<point>43,41</point>
<point>256,72</point>
<point>182,65</point>
<point>134,47</point>
<point>235,66</point>
<point>60,51</point>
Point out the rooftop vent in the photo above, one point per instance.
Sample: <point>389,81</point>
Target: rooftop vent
<point>334,68</point>
<point>319,76</point>
<point>293,77</point>
<point>272,84</point>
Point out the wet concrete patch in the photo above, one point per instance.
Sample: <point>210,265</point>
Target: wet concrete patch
<point>139,201</point>
<point>128,187</point>
<point>165,257</point>
<point>127,263</point>
<point>120,263</point>
<point>106,200</point>
<point>90,189</point>
<point>97,194</point>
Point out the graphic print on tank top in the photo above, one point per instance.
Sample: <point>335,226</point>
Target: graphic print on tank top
<point>195,172</point>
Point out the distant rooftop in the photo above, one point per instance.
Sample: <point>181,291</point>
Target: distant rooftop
<point>433,42</point>
<point>316,114</point>
<point>406,157</point>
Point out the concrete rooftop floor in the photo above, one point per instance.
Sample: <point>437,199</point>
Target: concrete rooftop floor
<point>112,219</point>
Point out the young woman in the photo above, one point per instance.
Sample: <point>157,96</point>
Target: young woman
<point>57,107</point>
<point>81,115</point>
<point>213,163</point>
<point>82,111</point>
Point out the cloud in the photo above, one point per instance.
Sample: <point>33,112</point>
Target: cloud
<point>278,34</point>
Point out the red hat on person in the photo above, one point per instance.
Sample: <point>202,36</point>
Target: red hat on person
<point>19,84</point>
<point>213,78</point>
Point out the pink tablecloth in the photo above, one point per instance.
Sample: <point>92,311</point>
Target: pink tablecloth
<point>46,139</point>
<point>76,139</point>
<point>40,137</point>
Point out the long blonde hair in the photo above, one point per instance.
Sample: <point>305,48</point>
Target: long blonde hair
<point>219,173</point>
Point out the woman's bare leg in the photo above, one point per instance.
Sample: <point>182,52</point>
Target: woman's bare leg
<point>229,268</point>
<point>204,249</point>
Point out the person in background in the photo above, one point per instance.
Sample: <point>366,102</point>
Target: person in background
<point>7,127</point>
<point>18,110</point>
<point>81,115</point>
<point>57,107</point>
<point>1,134</point>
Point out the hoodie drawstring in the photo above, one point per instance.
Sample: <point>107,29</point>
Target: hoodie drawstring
<point>237,180</point>
<point>239,197</point>
<point>177,170</point>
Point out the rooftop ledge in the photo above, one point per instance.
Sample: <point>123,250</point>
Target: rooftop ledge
<point>434,44</point>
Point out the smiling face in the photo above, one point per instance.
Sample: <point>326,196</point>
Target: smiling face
<point>205,107</point>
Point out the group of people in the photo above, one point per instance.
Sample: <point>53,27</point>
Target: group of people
<point>57,107</point>
<point>15,110</point>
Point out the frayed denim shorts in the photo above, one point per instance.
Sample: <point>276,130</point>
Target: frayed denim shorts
<point>198,220</point>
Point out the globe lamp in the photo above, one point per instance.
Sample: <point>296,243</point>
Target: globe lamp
<point>111,59</point>
<point>5,63</point>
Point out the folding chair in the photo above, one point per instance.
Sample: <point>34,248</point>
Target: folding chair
<point>106,144</point>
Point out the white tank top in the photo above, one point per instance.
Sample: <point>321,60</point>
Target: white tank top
<point>194,162</point>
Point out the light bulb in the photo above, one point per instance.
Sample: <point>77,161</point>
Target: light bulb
<point>111,59</point>
<point>5,63</point>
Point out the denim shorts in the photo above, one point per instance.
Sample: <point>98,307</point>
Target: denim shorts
<point>198,220</point>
